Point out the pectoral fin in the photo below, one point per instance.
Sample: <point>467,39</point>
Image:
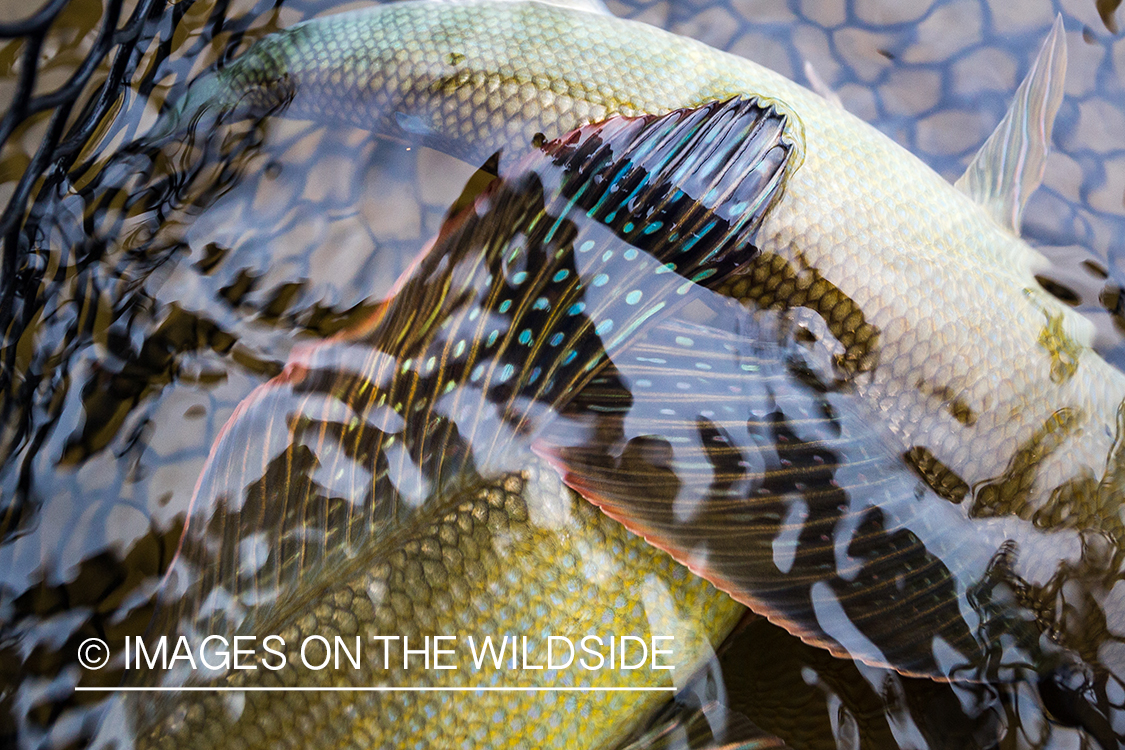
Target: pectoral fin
<point>1009,167</point>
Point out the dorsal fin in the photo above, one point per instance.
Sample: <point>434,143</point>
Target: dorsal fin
<point>1008,168</point>
<point>516,306</point>
<point>590,6</point>
<point>820,86</point>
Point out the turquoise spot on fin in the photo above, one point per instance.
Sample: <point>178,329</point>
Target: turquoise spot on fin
<point>709,174</point>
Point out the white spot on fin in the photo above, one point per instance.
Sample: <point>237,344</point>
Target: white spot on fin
<point>819,86</point>
<point>1008,168</point>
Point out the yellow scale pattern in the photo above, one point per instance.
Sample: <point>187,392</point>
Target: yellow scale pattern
<point>523,556</point>
<point>980,376</point>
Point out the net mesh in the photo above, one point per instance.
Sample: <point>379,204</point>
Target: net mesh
<point>73,111</point>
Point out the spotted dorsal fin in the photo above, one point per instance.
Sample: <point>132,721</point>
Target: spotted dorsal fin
<point>1009,167</point>
<point>518,304</point>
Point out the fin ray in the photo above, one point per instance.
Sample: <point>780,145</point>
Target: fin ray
<point>516,306</point>
<point>1009,166</point>
<point>819,85</point>
<point>714,444</point>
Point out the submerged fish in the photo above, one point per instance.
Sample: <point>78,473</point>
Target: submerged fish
<point>950,504</point>
<point>384,484</point>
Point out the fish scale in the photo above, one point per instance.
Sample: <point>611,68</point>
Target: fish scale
<point>471,569</point>
<point>385,482</point>
<point>922,300</point>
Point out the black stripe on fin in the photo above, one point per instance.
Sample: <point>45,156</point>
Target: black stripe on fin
<point>691,186</point>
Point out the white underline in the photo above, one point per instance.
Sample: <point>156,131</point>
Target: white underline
<point>376,689</point>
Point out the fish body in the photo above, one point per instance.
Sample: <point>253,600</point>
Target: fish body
<point>924,264</point>
<point>517,561</point>
<point>385,485</point>
<point>920,296</point>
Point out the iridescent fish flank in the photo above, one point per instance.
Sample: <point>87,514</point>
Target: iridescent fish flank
<point>384,483</point>
<point>952,506</point>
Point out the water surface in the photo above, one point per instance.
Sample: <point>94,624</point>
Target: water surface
<point>157,291</point>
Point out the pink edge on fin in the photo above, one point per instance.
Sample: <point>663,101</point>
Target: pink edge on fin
<point>450,226</point>
<point>242,408</point>
<point>585,489</point>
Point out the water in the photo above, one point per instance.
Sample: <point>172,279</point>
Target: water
<point>163,311</point>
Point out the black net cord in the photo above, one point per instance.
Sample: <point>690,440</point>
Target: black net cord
<point>58,149</point>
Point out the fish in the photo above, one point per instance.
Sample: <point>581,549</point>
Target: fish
<point>930,478</point>
<point>384,485</point>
